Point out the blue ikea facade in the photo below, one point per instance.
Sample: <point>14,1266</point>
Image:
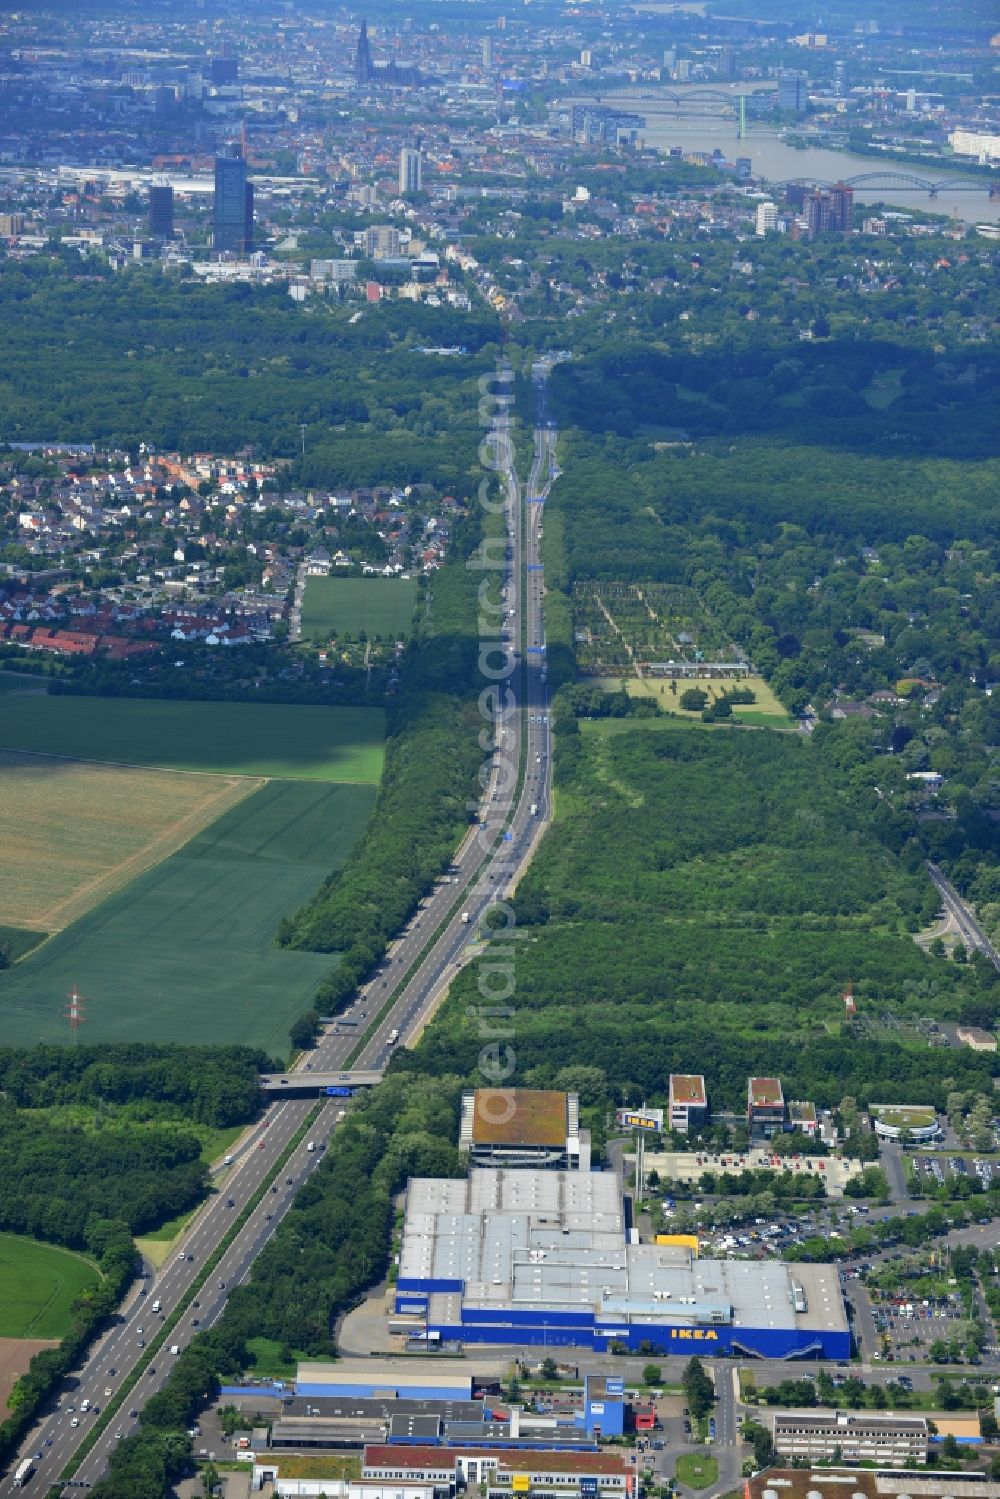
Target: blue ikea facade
<point>539,1326</point>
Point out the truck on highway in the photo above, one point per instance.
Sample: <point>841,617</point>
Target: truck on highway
<point>534,809</point>
<point>393,1037</point>
<point>25,1468</point>
<point>156,1304</point>
<point>465,918</point>
<point>311,1146</point>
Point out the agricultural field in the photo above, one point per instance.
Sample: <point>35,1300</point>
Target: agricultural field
<point>13,681</point>
<point>73,831</point>
<point>346,607</point>
<point>290,741</point>
<point>38,1284</point>
<point>185,952</point>
<point>619,627</point>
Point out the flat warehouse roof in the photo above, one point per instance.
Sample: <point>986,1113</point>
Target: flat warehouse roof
<point>389,1374</point>
<point>519,1116</point>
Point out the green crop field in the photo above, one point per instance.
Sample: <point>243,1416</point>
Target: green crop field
<point>291,741</point>
<point>38,1284</point>
<point>346,606</point>
<point>186,952</point>
<point>12,681</point>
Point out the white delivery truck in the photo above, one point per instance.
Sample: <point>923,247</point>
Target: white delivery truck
<point>25,1468</point>
<point>465,917</point>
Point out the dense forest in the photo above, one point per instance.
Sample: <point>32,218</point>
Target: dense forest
<point>209,1085</point>
<point>161,360</point>
<point>98,1143</point>
<point>818,392</point>
<point>702,903</point>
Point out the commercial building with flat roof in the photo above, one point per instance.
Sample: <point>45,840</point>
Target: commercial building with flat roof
<point>530,1127</point>
<point>371,1379</point>
<point>869,1436</point>
<point>765,1107</point>
<point>503,1473</point>
<point>867,1483</point>
<point>688,1106</point>
<point>541,1257</point>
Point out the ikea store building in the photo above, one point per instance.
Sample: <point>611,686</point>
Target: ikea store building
<point>541,1257</point>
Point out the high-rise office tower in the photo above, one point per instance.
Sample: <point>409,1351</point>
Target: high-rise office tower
<point>233,209</point>
<point>224,70</point>
<point>161,211</point>
<point>411,171</point>
<point>364,67</point>
<point>840,80</point>
<point>767,218</point>
<point>841,207</point>
<point>793,94</point>
<point>487,52</point>
<point>725,65</point>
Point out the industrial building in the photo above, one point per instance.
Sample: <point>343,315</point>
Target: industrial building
<point>368,1379</point>
<point>529,1127</point>
<point>564,1475</point>
<point>688,1102</point>
<point>867,1483</point>
<point>325,1422</point>
<point>857,1437</point>
<point>542,1258</point>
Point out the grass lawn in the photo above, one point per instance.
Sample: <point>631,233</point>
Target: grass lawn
<point>346,606</point>
<point>18,940</point>
<point>767,711</point>
<point>268,1362</point>
<point>697,1470</point>
<point>38,1284</point>
<point>159,1245</point>
<point>916,1118</point>
<point>186,951</point>
<point>73,831</point>
<point>290,741</point>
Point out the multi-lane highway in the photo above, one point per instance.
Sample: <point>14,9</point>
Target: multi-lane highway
<point>971,932</point>
<point>396,999</point>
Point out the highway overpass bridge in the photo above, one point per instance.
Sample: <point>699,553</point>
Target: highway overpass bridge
<point>317,1084</point>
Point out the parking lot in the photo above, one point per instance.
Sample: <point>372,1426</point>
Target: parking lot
<point>934,1170</point>
<point>689,1165</point>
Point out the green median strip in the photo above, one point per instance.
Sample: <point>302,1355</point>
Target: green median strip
<point>110,1411</point>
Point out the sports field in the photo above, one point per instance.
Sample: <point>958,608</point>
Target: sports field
<point>346,606</point>
<point>291,741</point>
<point>38,1284</point>
<point>185,952</point>
<point>71,831</point>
